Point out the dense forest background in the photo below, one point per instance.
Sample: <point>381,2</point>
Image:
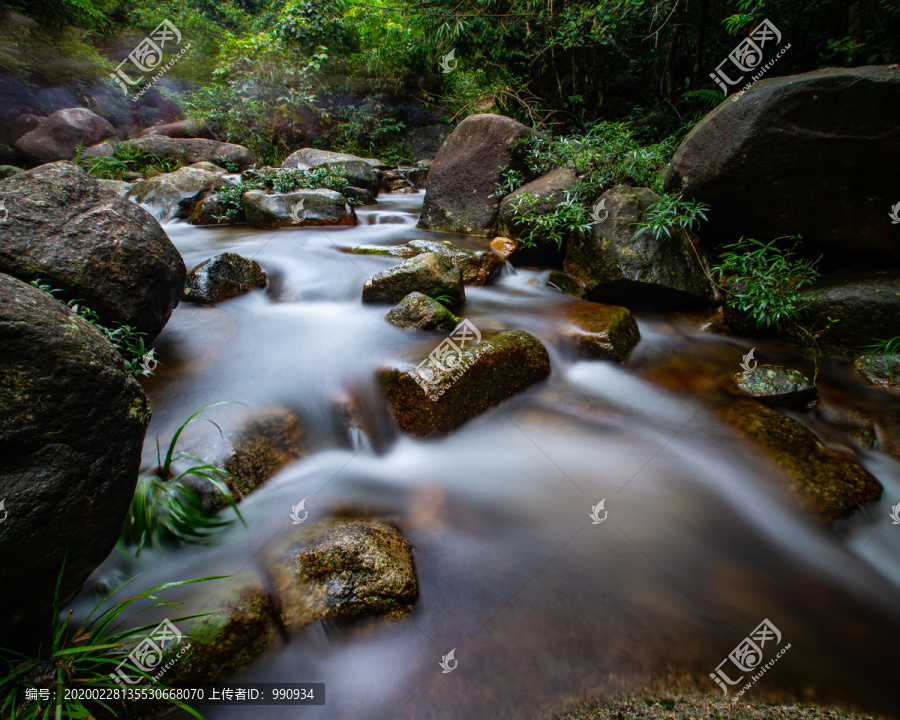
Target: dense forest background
<point>360,76</point>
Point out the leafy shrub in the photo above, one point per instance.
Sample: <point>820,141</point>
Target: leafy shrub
<point>568,217</point>
<point>670,213</point>
<point>125,159</point>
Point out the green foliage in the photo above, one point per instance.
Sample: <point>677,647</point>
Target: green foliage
<point>886,351</point>
<point>124,338</point>
<point>765,281</point>
<point>510,181</point>
<point>568,217</point>
<point>670,213</point>
<point>370,130</point>
<point>167,509</point>
<point>125,159</point>
<point>82,657</point>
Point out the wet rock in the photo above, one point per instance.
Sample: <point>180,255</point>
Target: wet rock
<point>210,210</point>
<point>566,284</point>
<point>468,384</point>
<point>74,234</point>
<point>538,197</point>
<point>314,208</point>
<point>222,277</point>
<point>478,267</point>
<point>362,196</point>
<point>431,274</point>
<point>603,332</point>
<point>360,173</point>
<point>621,264</point>
<point>879,369</point>
<point>459,192</point>
<point>174,194</point>
<point>193,150</point>
<point>119,187</point>
<point>853,423</point>
<point>58,136</point>
<point>422,313</point>
<point>835,131</point>
<point>827,482</point>
<point>866,304</point>
<point>181,129</point>
<point>504,247</point>
<point>7,171</point>
<point>344,569</point>
<point>776,385</point>
<point>72,423</point>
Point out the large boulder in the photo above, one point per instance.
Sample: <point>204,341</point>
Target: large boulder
<point>816,154</point>
<point>539,197</point>
<point>171,195</point>
<point>461,186</point>
<point>425,142</point>
<point>300,208</point>
<point>192,150</point>
<point>360,172</point>
<point>829,483</point>
<point>222,277</point>
<point>431,274</point>
<point>621,264</point>
<point>344,569</point>
<point>74,234</point>
<point>58,136</point>
<point>72,423</point>
<point>437,397</point>
<point>181,129</point>
<point>478,267</point>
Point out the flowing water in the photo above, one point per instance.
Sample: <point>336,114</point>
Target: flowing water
<point>544,607</point>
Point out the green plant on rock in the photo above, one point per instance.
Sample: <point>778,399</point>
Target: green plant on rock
<point>886,351</point>
<point>670,214</point>
<point>125,159</point>
<point>566,219</point>
<point>510,181</point>
<point>124,338</point>
<point>82,657</point>
<point>167,508</point>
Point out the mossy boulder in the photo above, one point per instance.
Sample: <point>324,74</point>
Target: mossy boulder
<point>209,210</point>
<point>621,264</point>
<point>222,277</point>
<point>776,385</point>
<point>431,274</point>
<point>72,423</point>
<point>825,481</point>
<point>420,312</point>
<point>7,171</point>
<point>478,267</point>
<point>344,569</point>
<point>174,194</point>
<point>566,284</point>
<point>603,332</point>
<point>436,397</point>
<point>300,208</point>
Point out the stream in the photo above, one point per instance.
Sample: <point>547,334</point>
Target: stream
<point>543,607</point>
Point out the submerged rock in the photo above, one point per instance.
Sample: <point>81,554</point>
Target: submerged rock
<point>422,313</point>
<point>221,277</point>
<point>604,332</point>
<point>300,208</point>
<point>431,274</point>
<point>436,398</point>
<point>776,385</point>
<point>462,182</point>
<point>344,569</point>
<point>71,232</point>
<point>621,264</point>
<point>828,482</point>
<point>853,423</point>
<point>172,195</point>
<point>72,423</point>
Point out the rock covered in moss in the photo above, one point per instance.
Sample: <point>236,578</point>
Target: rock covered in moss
<point>604,332</point>
<point>776,385</point>
<point>222,277</point>
<point>422,313</point>
<point>436,398</point>
<point>431,274</point>
<point>346,569</point>
<point>478,267</point>
<point>829,483</point>
<point>879,369</point>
